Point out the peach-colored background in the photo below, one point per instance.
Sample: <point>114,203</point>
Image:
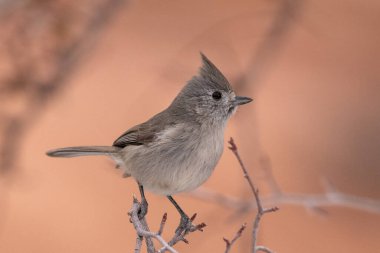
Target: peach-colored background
<point>316,115</point>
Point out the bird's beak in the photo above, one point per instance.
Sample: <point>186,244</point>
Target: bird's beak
<point>242,100</point>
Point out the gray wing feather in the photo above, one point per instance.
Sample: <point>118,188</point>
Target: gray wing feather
<point>135,136</point>
<point>145,132</point>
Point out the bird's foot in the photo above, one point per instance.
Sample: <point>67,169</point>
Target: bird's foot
<point>186,225</point>
<point>143,209</point>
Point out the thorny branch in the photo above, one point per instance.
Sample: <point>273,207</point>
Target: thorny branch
<point>260,210</point>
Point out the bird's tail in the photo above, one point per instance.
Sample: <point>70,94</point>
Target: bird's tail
<point>83,151</point>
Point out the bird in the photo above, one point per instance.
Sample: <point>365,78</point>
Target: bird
<point>177,149</point>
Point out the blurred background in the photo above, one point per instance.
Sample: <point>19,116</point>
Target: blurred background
<point>82,72</point>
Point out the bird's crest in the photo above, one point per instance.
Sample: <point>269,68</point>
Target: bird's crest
<point>214,77</point>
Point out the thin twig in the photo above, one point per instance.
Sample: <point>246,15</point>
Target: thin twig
<point>255,191</point>
<point>260,210</point>
<point>237,236</point>
<point>264,249</point>
<point>162,224</point>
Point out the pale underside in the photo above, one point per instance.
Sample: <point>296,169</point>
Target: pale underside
<point>180,159</point>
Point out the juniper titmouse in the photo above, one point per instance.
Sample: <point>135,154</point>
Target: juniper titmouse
<point>177,149</point>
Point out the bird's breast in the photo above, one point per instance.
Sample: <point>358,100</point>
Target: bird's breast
<point>180,159</point>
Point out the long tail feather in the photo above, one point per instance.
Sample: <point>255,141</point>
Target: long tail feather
<point>83,151</point>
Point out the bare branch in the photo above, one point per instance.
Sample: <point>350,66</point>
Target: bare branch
<point>237,236</point>
<point>260,210</point>
<point>143,231</point>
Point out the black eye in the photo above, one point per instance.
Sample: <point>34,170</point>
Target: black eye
<point>216,95</point>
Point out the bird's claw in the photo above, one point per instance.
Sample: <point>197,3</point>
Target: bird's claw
<point>143,209</point>
<point>186,225</point>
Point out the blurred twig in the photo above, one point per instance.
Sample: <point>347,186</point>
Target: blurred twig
<point>274,38</point>
<point>314,202</point>
<point>39,88</point>
<point>309,201</point>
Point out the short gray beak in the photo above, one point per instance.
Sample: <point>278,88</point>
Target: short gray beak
<point>242,100</point>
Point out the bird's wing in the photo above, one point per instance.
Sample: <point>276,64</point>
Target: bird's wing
<point>137,135</point>
<point>145,132</point>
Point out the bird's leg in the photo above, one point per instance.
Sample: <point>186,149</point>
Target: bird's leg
<point>185,224</point>
<point>144,204</point>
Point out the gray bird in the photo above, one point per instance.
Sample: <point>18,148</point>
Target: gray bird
<point>177,149</point>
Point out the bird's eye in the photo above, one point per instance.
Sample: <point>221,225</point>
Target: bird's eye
<point>217,95</point>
